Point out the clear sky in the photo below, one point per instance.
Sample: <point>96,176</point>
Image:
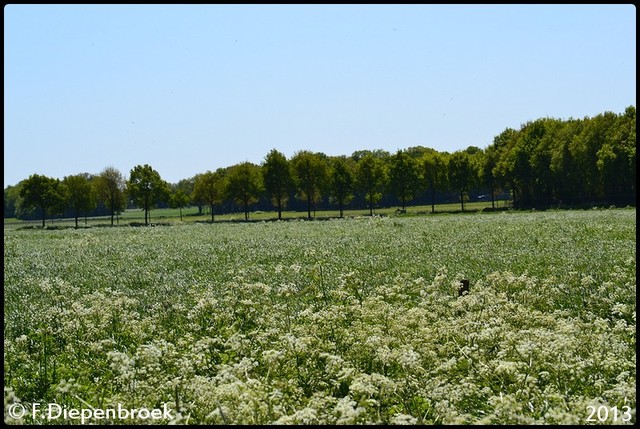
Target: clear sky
<point>191,88</point>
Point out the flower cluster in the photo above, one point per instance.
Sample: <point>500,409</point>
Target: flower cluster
<point>343,322</point>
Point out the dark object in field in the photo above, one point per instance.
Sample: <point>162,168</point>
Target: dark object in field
<point>464,287</point>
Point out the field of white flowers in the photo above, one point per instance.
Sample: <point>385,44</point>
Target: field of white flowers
<point>354,321</point>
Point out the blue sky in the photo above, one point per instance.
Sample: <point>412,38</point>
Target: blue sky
<point>191,88</point>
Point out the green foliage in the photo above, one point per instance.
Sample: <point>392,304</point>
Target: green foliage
<point>371,178</point>
<point>244,184</point>
<point>13,206</point>
<point>209,188</point>
<point>341,182</point>
<point>310,176</point>
<point>186,186</point>
<point>403,176</point>
<point>178,200</point>
<point>42,193</point>
<point>146,188</point>
<point>461,174</point>
<point>110,190</point>
<point>79,194</point>
<point>434,173</point>
<point>547,163</point>
<point>352,321</point>
<point>277,179</point>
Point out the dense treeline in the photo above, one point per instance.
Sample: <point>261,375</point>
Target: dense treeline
<point>546,163</point>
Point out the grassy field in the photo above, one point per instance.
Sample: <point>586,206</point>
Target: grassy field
<point>346,321</point>
<point>190,214</point>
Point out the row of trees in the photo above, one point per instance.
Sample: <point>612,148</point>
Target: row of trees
<point>547,162</point>
<point>578,161</point>
<point>82,193</point>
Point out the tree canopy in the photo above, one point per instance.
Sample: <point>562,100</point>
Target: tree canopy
<point>547,162</point>
<point>244,185</point>
<point>43,193</point>
<point>310,173</point>
<point>277,179</point>
<point>79,194</point>
<point>146,188</point>
<point>209,189</point>
<point>110,190</point>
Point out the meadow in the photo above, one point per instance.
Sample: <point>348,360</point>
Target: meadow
<point>191,214</point>
<point>341,321</point>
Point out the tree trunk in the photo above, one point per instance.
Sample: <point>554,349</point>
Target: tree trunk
<point>433,200</point>
<point>112,208</point>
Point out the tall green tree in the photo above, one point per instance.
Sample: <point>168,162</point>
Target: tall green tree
<point>310,176</point>
<point>625,134</point>
<point>187,187</point>
<point>486,172</point>
<point>562,168</point>
<point>110,190</point>
<point>503,171</point>
<point>370,178</point>
<point>244,185</point>
<point>542,185</point>
<point>12,200</point>
<point>434,174</point>
<point>178,199</point>
<point>277,178</point>
<point>584,148</point>
<point>341,182</point>
<point>403,177</point>
<point>461,173</point>
<point>518,160</point>
<point>209,188</point>
<point>79,194</point>
<point>42,193</point>
<point>616,159</point>
<point>146,188</point>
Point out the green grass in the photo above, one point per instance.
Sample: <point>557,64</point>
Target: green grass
<point>190,214</point>
<point>353,321</point>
